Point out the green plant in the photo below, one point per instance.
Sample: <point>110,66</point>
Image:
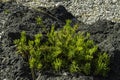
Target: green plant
<point>6,11</point>
<point>40,24</point>
<point>74,67</point>
<point>39,20</point>
<point>57,64</point>
<point>30,50</point>
<point>64,49</point>
<point>22,45</point>
<point>102,63</point>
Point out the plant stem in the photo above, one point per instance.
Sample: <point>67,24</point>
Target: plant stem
<point>33,73</point>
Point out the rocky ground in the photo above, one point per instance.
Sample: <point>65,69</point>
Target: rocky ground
<point>14,18</point>
<point>87,11</point>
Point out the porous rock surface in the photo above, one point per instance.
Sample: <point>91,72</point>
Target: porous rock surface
<point>107,35</point>
<point>15,18</point>
<point>87,11</point>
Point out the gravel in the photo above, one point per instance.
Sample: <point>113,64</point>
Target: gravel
<point>88,11</point>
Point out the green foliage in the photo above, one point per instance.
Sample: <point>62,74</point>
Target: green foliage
<point>64,49</point>
<point>21,45</point>
<point>74,67</point>
<point>57,64</point>
<point>102,63</point>
<point>38,20</point>
<point>86,68</point>
<point>6,11</point>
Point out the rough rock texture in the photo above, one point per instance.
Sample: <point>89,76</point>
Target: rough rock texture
<point>107,35</point>
<point>87,11</point>
<point>14,18</point>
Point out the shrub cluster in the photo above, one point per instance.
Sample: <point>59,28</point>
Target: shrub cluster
<point>64,49</point>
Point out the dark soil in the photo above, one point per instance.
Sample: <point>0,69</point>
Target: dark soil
<point>15,18</point>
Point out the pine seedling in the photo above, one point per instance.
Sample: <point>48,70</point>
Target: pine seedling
<point>63,49</point>
<point>74,67</point>
<point>21,45</point>
<point>57,64</point>
<point>102,64</point>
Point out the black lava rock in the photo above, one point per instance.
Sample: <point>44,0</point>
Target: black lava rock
<point>15,18</point>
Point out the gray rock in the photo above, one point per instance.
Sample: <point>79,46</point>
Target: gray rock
<point>105,33</point>
<point>87,11</point>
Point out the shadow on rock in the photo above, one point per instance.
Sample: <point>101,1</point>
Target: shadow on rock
<point>18,18</point>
